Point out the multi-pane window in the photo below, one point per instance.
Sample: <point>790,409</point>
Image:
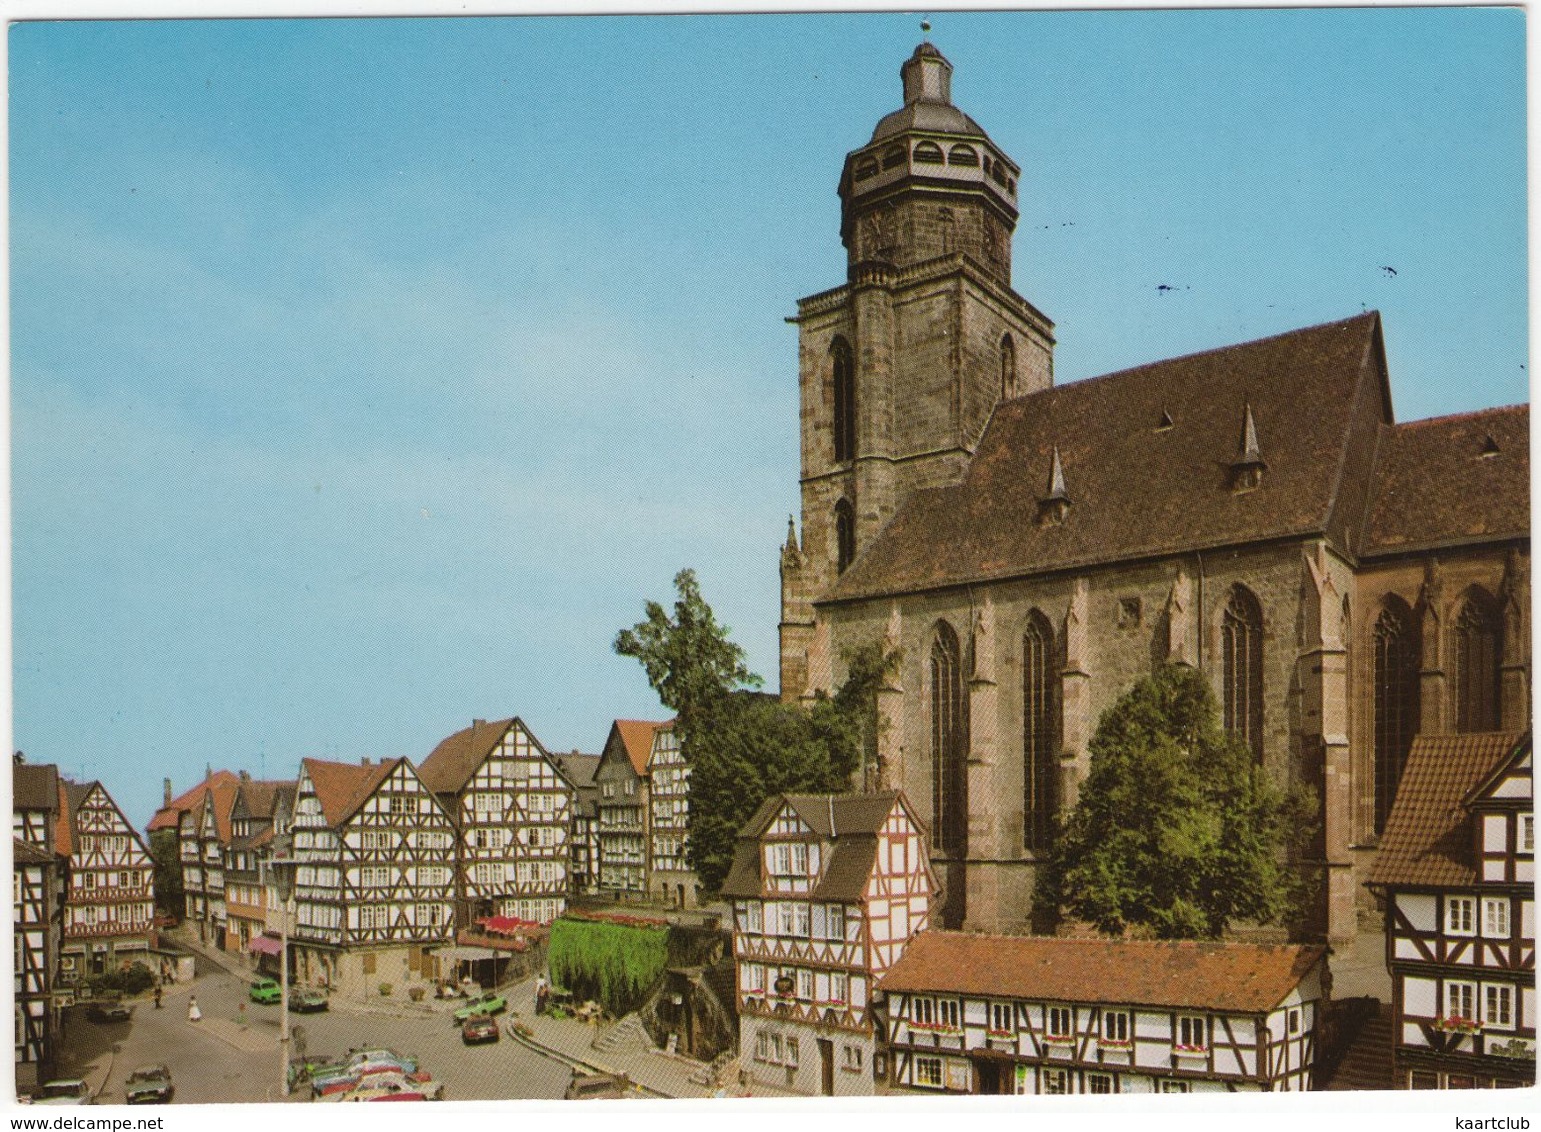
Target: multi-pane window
<point>835,922</point>
<point>800,923</point>
<point>1176,1087</point>
<point>947,1012</point>
<point>1059,1022</point>
<point>799,858</point>
<point>949,745</point>
<point>1099,1083</point>
<point>805,984</point>
<point>845,401</point>
<point>1242,668</point>
<point>1394,656</point>
<point>853,1058</point>
<point>1475,652</point>
<point>1115,1026</point>
<point>839,987</point>
<point>1040,732</point>
<point>754,917</point>
<point>1055,1081</point>
<point>1461,1002</point>
<point>1527,833</point>
<point>1192,1032</point>
<point>1002,1017</point>
<point>1495,917</point>
<point>1498,1005</point>
<point>786,917</point>
<point>928,1072</point>
<point>754,977</point>
<point>925,1011</point>
<point>1460,915</point>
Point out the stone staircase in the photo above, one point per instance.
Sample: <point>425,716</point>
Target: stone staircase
<point>1366,1062</point>
<point>626,1036</point>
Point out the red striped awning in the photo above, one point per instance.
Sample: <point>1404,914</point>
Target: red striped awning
<point>265,945</point>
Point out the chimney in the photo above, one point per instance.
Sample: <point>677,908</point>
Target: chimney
<point>478,724</point>
<point>363,762</point>
<point>18,758</point>
<point>167,789</point>
<point>245,776</point>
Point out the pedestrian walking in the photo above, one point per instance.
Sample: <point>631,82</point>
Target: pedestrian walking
<point>542,994</point>
<point>157,996</point>
<point>193,1013</point>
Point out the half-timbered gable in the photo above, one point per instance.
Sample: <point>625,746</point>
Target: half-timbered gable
<point>374,885</point>
<point>1021,1014</point>
<point>827,890</point>
<point>201,818</point>
<point>583,839</point>
<point>38,880</point>
<point>670,879</point>
<point>109,904</point>
<point>1457,868</point>
<point>623,808</point>
<point>512,807</point>
<point>246,857</point>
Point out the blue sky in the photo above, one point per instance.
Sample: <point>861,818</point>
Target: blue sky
<point>367,376</point>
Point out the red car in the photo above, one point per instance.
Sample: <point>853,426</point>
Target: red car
<point>478,1030</point>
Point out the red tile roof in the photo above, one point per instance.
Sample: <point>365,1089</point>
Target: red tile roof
<point>1227,977</point>
<point>1428,837</point>
<point>454,761</point>
<point>1452,479</point>
<point>342,787</point>
<point>166,817</point>
<point>637,738</point>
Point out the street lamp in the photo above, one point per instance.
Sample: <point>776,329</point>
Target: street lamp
<point>279,865</point>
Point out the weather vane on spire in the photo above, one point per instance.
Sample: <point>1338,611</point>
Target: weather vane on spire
<point>925,30</point>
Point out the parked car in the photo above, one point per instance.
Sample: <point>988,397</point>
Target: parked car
<point>334,1078</point>
<point>387,1086</point>
<point>105,1012</point>
<point>597,1086</point>
<point>307,1001</point>
<point>149,1084</point>
<point>65,1090</point>
<point>484,1004</point>
<point>266,991</point>
<point>482,1028</point>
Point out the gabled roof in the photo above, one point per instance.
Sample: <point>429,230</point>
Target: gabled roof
<point>166,817</point>
<point>578,768</point>
<point>71,795</point>
<point>636,738</point>
<point>454,760</point>
<point>341,788</point>
<point>1450,480</point>
<point>1226,977</point>
<point>1428,837</point>
<point>261,795</point>
<point>25,853</point>
<point>847,823</point>
<point>34,786</point>
<point>1141,488</point>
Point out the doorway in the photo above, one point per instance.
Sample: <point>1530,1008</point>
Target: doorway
<point>827,1066</point>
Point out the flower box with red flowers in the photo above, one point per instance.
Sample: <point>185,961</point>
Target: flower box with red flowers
<point>1457,1025</point>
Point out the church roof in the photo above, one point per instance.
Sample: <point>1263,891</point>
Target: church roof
<point>1428,838</point>
<point>1142,487</point>
<point>1230,977</point>
<point>1451,480</point>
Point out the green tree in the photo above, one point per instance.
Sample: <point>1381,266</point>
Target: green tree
<point>166,854</point>
<point>743,746</point>
<point>1177,832</point>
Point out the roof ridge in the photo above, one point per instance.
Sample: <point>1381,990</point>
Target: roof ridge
<point>1466,414</point>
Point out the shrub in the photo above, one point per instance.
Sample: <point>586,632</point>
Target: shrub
<point>386,988</point>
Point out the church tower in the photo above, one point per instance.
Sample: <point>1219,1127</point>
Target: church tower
<point>901,367</point>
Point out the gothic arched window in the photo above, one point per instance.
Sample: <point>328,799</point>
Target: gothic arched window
<point>845,535</point>
<point>1008,367</point>
<point>845,401</point>
<point>1241,648</point>
<point>949,745</point>
<point>1475,650</point>
<point>1040,732</point>
<point>1394,684</point>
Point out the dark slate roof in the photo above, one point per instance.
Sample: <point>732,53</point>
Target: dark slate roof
<point>1230,977</point>
<point>454,761</point>
<point>34,787</point>
<point>853,840</point>
<point>25,853</point>
<point>579,768</point>
<point>262,795</point>
<point>1138,489</point>
<point>1428,837</point>
<point>1452,479</point>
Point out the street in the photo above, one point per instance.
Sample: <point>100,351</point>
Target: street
<point>216,1061</point>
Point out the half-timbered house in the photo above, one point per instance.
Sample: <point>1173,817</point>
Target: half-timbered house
<point>827,890</point>
<point>201,819</point>
<point>669,876</point>
<point>38,895</point>
<point>583,840</point>
<point>512,808</point>
<point>109,901</point>
<point>247,880</point>
<point>1457,867</point>
<point>373,854</point>
<point>623,808</point>
<point>974,1013</point>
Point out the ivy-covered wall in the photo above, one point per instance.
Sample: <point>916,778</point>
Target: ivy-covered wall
<point>613,960</point>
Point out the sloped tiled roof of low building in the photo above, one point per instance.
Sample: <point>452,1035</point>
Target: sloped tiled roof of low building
<point>342,787</point>
<point>579,768</point>
<point>34,786</point>
<point>262,795</point>
<point>1428,838</point>
<point>1229,977</point>
<point>25,853</point>
<point>455,759</point>
<point>1449,480</point>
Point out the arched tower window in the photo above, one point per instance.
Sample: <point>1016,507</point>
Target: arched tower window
<point>845,401</point>
<point>1008,367</point>
<point>1475,649</point>
<point>1040,732</point>
<point>845,535</point>
<point>949,745</point>
<point>1241,649</point>
<point>1394,682</point>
